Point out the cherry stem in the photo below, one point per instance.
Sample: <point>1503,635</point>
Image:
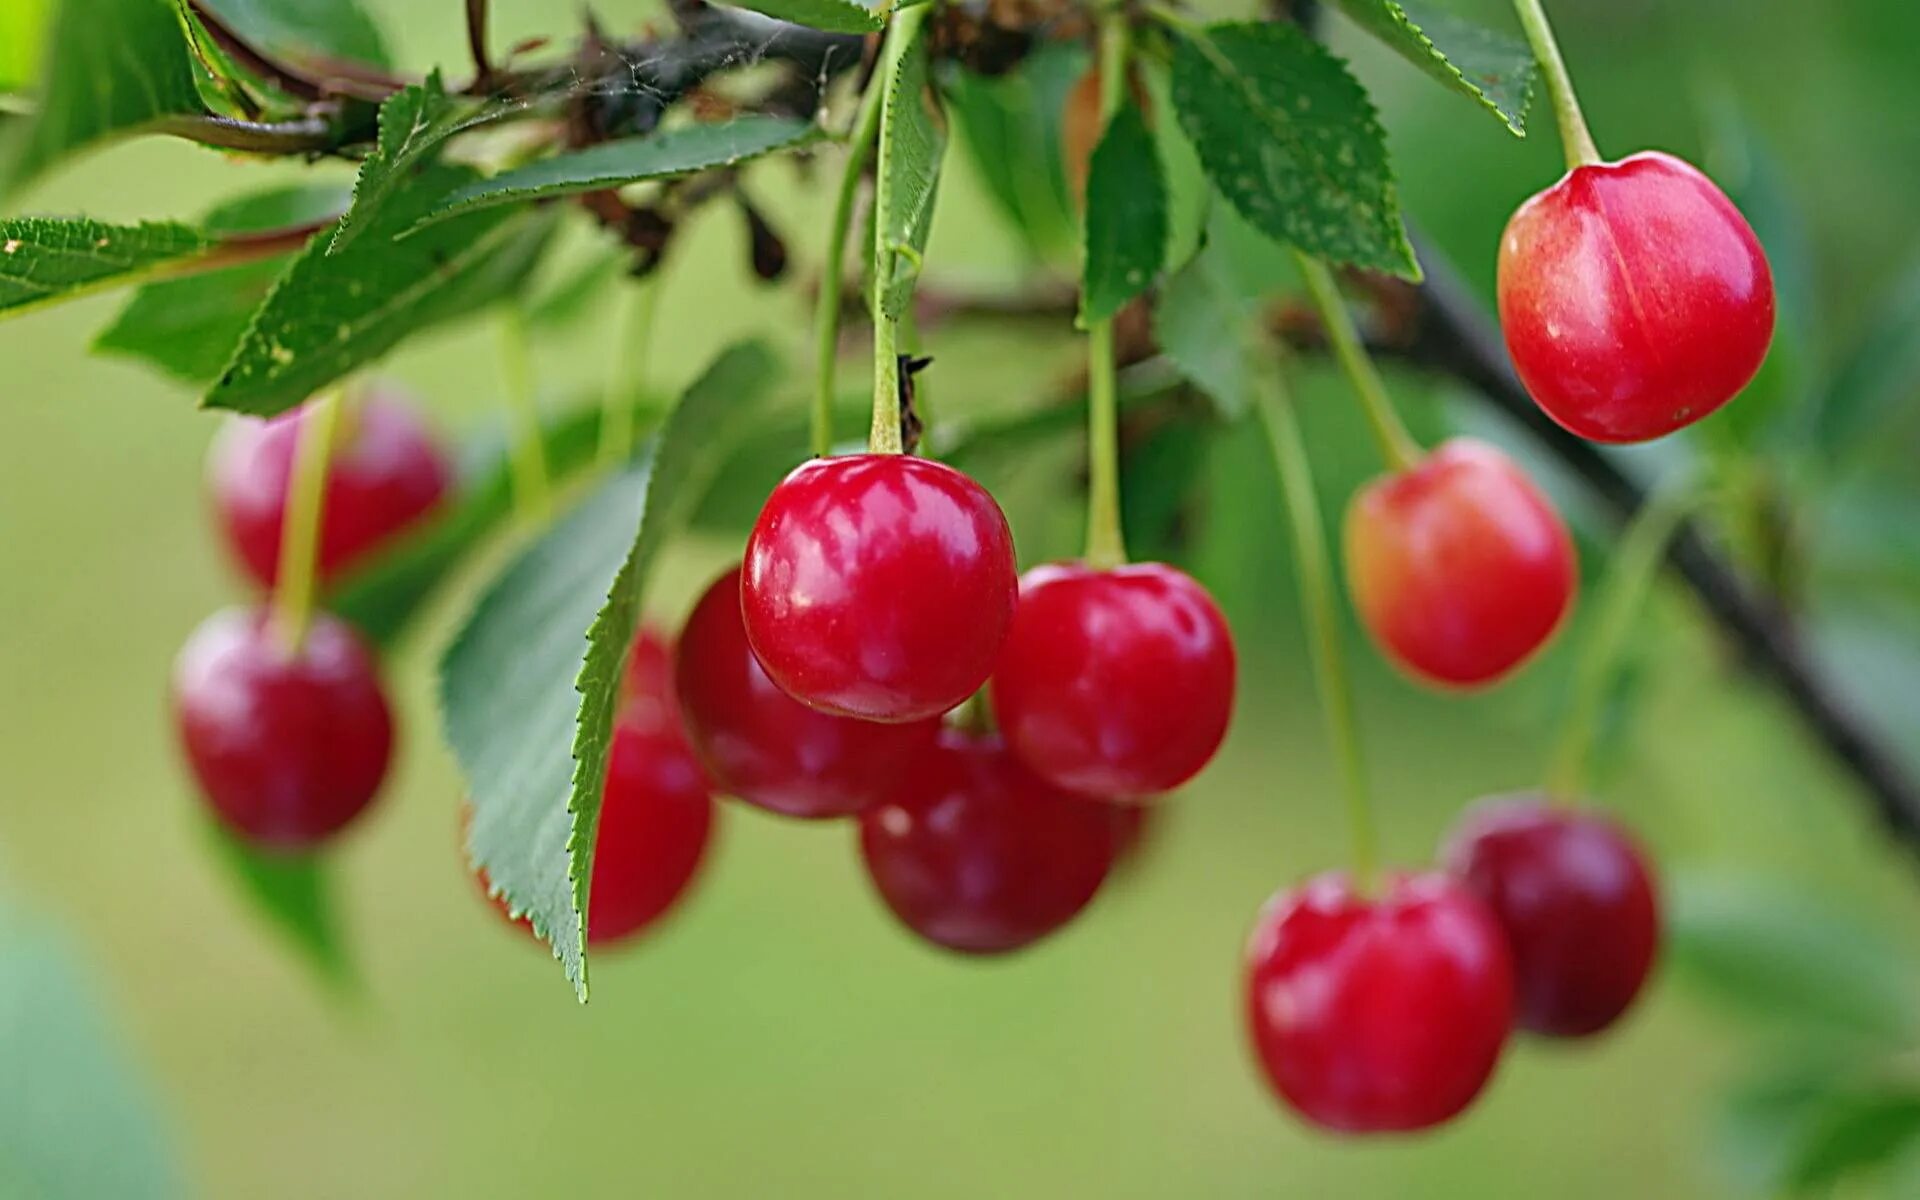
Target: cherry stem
<point>1636,564</point>
<point>1397,446</point>
<point>632,351</point>
<point>1106,539</point>
<point>532,486</point>
<point>1575,138</point>
<point>297,581</point>
<point>1317,598</point>
<point>884,437</point>
<point>826,313</point>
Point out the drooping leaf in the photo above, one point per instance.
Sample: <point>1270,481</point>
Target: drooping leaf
<point>528,685</point>
<point>1126,227</point>
<point>1291,140</point>
<point>1010,126</point>
<point>1496,69</point>
<point>1189,195</point>
<point>414,123</point>
<point>189,327</point>
<point>834,16</point>
<point>23,30</point>
<point>113,67</point>
<point>303,30</point>
<point>330,314</point>
<point>44,261</point>
<point>632,160</point>
<point>912,144</point>
<point>1876,387</point>
<point>294,894</point>
<point>1206,319</point>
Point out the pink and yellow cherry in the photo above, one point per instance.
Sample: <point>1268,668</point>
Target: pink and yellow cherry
<point>1459,566</point>
<point>767,748</point>
<point>386,473</point>
<point>1115,683</point>
<point>976,854</point>
<point>1382,1015</point>
<point>1635,298</point>
<point>878,586</point>
<point>288,747</point>
<point>1576,898</point>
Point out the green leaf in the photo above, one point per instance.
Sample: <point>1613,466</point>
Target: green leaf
<point>527,688</point>
<point>1786,957</point>
<point>45,261</point>
<point>1010,127</point>
<point>913,143</point>
<point>1291,140</point>
<point>834,16</point>
<point>331,314</point>
<point>1856,1131</point>
<point>1189,195</point>
<point>1877,387</point>
<point>23,26</point>
<point>189,327</point>
<point>1206,319</point>
<point>113,67</point>
<point>1126,216</point>
<point>414,123</point>
<point>293,893</point>
<point>303,30</point>
<point>632,160</point>
<point>1495,69</point>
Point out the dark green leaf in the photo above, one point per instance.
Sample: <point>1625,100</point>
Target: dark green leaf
<point>304,30</point>
<point>1126,216</point>
<point>293,892</point>
<point>1291,140</point>
<point>1877,387</point>
<point>1859,1130</point>
<point>331,314</point>
<point>414,123</point>
<point>834,16</point>
<point>1189,195</point>
<point>912,144</point>
<point>1158,474</point>
<point>114,66</point>
<point>23,29</point>
<point>189,327</point>
<point>1495,69</point>
<point>633,160</point>
<point>528,685</point>
<point>46,261</point>
<point>1010,125</point>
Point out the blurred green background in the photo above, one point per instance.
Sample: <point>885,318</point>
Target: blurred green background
<point>780,1036</point>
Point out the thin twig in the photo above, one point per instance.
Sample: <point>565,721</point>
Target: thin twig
<point>307,135</point>
<point>483,74</point>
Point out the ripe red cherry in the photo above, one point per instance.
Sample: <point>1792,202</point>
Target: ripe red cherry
<point>1635,298</point>
<point>976,854</point>
<point>764,746</point>
<point>1573,892</point>
<point>1377,1016</point>
<point>288,748</point>
<point>878,586</point>
<point>1460,568</point>
<point>386,473</point>
<point>1115,683</point>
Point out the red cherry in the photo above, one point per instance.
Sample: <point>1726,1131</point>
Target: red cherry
<point>386,473</point>
<point>975,853</point>
<point>1573,892</point>
<point>288,748</point>
<point>1375,1016</point>
<point>647,694</point>
<point>764,746</point>
<point>1115,683</point>
<point>1460,568</point>
<point>878,586</point>
<point>1635,298</point>
<point>656,819</point>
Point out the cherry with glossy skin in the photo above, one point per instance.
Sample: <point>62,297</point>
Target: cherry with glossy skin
<point>386,473</point>
<point>878,586</point>
<point>976,854</point>
<point>1574,893</point>
<point>1115,683</point>
<point>1378,1015</point>
<point>288,748</point>
<point>1459,566</point>
<point>767,748</point>
<point>1635,298</point>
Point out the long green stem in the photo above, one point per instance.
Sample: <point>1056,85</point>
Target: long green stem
<point>1636,564</point>
<point>826,313</point>
<point>1575,138</point>
<point>632,350</point>
<point>1396,444</point>
<point>298,578</point>
<point>884,435</point>
<point>1317,598</point>
<point>1106,540</point>
<point>532,486</point>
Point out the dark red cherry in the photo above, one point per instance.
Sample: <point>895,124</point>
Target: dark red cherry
<point>878,586</point>
<point>656,820</point>
<point>1115,683</point>
<point>1378,1015</point>
<point>386,473</point>
<point>975,853</point>
<point>764,746</point>
<point>288,748</point>
<point>648,697</point>
<point>1635,298</point>
<point>1460,568</point>
<point>1573,891</point>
